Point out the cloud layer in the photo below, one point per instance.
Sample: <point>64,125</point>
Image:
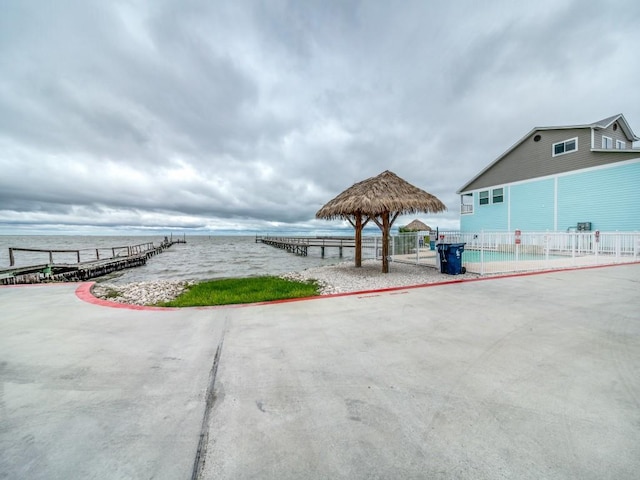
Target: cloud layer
<point>209,116</point>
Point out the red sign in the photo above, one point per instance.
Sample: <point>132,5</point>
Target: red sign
<point>518,241</point>
<point>597,236</point>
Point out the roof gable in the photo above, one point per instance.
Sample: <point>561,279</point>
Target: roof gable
<point>599,125</point>
<point>622,122</point>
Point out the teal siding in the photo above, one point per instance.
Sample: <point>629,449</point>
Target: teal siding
<point>491,217</point>
<point>532,205</point>
<point>608,198</point>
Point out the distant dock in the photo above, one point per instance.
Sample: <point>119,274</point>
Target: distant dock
<point>300,245</point>
<point>105,261</point>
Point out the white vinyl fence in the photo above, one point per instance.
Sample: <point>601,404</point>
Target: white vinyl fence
<point>503,252</point>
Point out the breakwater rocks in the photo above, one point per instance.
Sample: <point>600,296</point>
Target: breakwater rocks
<point>140,293</point>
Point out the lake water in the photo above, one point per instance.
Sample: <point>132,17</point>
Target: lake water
<point>201,258</point>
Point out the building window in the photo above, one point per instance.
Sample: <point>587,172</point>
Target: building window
<point>567,146</point>
<point>607,142</point>
<point>484,197</point>
<point>497,195</point>
<point>620,145</point>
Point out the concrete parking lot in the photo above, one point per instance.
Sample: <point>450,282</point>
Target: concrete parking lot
<point>526,377</point>
<point>93,392</point>
<point>530,377</point>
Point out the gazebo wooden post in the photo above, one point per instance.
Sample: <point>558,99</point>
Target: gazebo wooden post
<point>358,224</point>
<point>385,242</point>
<point>358,240</point>
<point>385,226</point>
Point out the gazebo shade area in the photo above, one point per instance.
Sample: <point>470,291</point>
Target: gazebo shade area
<point>382,199</point>
<point>417,226</point>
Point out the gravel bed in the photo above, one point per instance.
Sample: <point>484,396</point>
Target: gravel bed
<point>345,278</point>
<point>339,278</point>
<point>140,293</point>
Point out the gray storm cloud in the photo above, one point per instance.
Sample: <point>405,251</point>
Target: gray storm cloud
<point>210,116</point>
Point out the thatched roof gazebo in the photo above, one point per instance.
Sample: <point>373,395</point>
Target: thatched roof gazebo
<point>381,199</point>
<point>417,226</point>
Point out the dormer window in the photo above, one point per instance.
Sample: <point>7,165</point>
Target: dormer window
<point>607,142</point>
<point>567,146</point>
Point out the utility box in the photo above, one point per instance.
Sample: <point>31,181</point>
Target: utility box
<point>584,226</point>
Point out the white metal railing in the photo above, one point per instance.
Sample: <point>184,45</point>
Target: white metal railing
<point>464,208</point>
<point>503,252</point>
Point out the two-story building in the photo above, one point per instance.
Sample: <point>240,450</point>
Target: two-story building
<point>558,179</point>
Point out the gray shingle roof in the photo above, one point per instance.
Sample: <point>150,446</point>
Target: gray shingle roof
<point>604,123</point>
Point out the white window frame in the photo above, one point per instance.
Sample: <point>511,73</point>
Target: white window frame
<point>620,145</point>
<point>488,198</point>
<point>607,142</point>
<point>564,142</point>
<point>493,195</point>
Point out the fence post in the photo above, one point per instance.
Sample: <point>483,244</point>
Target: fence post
<point>546,246</point>
<point>481,252</point>
<point>392,247</point>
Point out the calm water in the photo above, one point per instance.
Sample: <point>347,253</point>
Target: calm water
<point>200,258</point>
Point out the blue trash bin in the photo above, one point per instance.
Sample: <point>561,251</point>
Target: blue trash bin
<point>451,258</point>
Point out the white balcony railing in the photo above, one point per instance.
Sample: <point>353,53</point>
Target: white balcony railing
<point>464,209</point>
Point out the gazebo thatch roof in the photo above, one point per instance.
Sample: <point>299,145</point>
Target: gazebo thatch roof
<point>417,226</point>
<point>386,193</point>
<point>381,199</point>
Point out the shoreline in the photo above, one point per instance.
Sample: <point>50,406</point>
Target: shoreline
<point>342,277</point>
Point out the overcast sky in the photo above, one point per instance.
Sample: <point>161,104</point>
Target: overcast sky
<point>213,117</point>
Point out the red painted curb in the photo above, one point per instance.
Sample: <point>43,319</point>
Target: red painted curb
<point>83,292</point>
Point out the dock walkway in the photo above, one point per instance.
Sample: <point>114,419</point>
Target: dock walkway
<point>119,258</point>
<point>301,245</point>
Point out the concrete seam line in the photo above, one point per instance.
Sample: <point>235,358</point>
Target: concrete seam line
<point>198,461</point>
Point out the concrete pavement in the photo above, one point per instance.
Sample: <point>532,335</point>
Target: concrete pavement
<point>534,377</point>
<point>527,377</point>
<point>93,392</point>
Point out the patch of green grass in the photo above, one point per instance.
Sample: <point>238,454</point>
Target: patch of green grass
<point>230,291</point>
<point>111,293</point>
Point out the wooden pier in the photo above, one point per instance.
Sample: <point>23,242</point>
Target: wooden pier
<point>107,260</point>
<point>301,245</point>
